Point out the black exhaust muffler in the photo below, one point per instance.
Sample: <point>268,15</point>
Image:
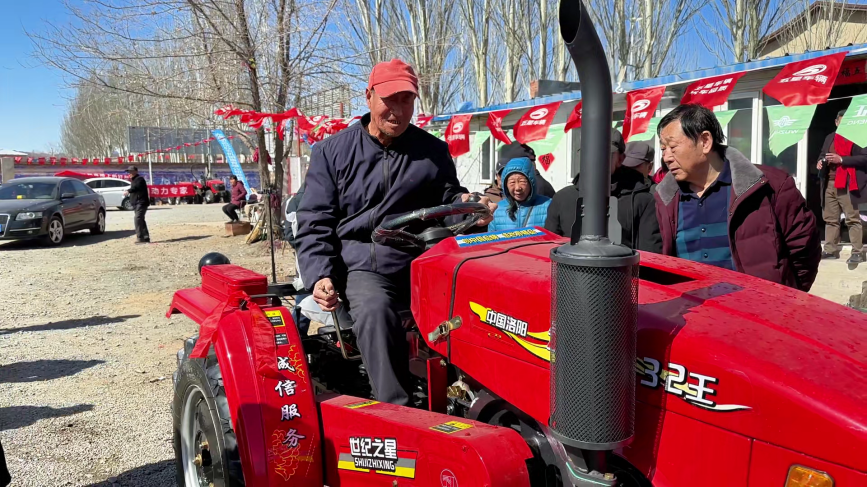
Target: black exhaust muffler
<point>594,288</point>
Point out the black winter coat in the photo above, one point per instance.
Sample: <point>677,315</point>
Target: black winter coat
<point>858,160</point>
<point>636,211</point>
<point>354,184</point>
<point>138,191</point>
<point>543,187</point>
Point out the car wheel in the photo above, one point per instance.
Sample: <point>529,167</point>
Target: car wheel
<point>99,228</point>
<point>56,232</point>
<point>209,197</point>
<point>126,204</point>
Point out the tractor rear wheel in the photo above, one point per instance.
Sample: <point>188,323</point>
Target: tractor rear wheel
<point>206,449</point>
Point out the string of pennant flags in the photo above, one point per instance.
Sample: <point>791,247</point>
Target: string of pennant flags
<point>799,87</point>
<point>311,129</point>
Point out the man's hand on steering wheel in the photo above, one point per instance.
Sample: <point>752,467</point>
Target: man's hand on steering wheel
<point>485,201</point>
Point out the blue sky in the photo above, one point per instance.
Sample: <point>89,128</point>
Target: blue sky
<point>32,97</point>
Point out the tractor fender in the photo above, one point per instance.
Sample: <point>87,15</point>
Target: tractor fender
<point>264,412</point>
<point>274,413</point>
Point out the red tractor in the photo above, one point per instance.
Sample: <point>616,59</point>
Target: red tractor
<point>203,190</point>
<point>538,361</point>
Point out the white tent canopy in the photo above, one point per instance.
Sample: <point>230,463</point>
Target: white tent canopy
<point>11,153</point>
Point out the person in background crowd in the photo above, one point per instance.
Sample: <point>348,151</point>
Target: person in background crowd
<point>239,199</point>
<point>494,192</point>
<point>140,200</point>
<point>251,205</point>
<point>370,172</point>
<point>843,176</point>
<point>659,174</point>
<point>636,211</point>
<point>717,208</point>
<point>521,206</point>
<point>516,150</point>
<point>639,157</point>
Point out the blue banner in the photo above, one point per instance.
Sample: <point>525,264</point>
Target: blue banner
<point>231,157</point>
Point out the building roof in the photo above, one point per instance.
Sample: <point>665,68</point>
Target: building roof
<point>673,79</point>
<point>813,11</point>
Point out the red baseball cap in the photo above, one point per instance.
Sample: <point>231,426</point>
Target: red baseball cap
<point>393,77</point>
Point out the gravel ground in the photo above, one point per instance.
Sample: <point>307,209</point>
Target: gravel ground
<point>86,353</point>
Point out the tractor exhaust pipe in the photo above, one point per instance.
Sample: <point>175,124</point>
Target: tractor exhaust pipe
<point>594,289</point>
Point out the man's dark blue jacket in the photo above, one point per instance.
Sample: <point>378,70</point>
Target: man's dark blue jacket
<point>354,183</point>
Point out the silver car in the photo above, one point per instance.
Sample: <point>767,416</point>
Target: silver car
<point>112,190</point>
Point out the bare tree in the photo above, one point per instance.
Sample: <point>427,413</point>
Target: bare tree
<point>737,30</point>
<point>477,21</point>
<point>184,58</point>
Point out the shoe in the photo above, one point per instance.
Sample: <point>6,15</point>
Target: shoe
<point>855,258</point>
<point>140,242</point>
<point>830,255</point>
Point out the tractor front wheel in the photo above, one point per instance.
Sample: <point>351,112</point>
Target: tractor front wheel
<point>206,449</point>
<point>209,197</point>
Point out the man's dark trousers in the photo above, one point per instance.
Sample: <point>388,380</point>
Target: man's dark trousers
<point>373,302</point>
<point>141,227</point>
<point>231,211</point>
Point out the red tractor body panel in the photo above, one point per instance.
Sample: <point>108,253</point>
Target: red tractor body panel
<point>284,436</point>
<point>277,427</point>
<point>720,354</point>
<point>368,443</point>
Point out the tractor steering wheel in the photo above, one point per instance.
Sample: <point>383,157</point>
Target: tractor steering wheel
<point>393,231</point>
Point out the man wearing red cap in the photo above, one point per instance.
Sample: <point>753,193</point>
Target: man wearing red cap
<point>368,173</point>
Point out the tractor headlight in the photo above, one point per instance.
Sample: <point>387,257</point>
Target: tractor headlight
<point>801,476</point>
<point>28,215</point>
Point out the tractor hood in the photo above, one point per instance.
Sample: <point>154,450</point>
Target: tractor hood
<point>742,354</point>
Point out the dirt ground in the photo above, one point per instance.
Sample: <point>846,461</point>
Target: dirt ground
<point>87,354</point>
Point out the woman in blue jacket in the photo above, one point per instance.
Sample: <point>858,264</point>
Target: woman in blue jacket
<point>522,206</point>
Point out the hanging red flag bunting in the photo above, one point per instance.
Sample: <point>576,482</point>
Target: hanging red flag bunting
<point>29,160</point>
<point>18,160</point>
<point>574,120</point>
<point>534,124</point>
<point>711,92</point>
<point>62,161</point>
<point>805,82</point>
<point>423,120</point>
<point>640,106</point>
<point>458,135</point>
<point>495,123</point>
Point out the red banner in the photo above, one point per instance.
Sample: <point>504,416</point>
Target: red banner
<point>170,190</point>
<point>458,135</point>
<point>495,123</point>
<point>852,72</point>
<point>574,118</point>
<point>640,106</point>
<point>711,92</point>
<point>18,160</point>
<point>534,124</point>
<point>423,120</point>
<point>805,82</point>
<point>52,160</point>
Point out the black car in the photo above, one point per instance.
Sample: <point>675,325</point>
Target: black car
<point>49,208</point>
